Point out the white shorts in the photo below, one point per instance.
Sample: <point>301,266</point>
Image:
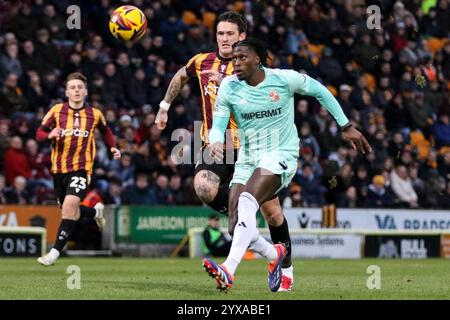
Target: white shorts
<point>283,164</point>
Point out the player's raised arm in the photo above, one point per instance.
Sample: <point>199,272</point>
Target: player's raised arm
<point>306,85</point>
<point>176,84</point>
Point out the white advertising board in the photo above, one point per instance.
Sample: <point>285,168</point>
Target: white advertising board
<point>376,219</point>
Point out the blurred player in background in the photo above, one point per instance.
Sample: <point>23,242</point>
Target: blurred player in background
<point>70,126</point>
<point>212,181</point>
<point>262,101</point>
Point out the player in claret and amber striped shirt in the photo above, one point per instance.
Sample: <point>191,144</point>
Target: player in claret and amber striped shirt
<point>211,181</point>
<point>70,126</point>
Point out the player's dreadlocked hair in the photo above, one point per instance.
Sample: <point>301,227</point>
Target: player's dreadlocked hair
<point>257,46</point>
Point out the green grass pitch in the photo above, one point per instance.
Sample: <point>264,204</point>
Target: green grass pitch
<point>185,279</point>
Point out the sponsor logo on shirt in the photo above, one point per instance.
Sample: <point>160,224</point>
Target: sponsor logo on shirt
<point>261,114</point>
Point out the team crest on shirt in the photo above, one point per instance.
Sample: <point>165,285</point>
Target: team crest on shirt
<point>76,123</point>
<point>274,96</point>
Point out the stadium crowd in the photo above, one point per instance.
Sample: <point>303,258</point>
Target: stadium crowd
<point>392,82</point>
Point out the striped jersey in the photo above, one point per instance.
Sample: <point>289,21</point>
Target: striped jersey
<point>212,61</point>
<point>74,149</point>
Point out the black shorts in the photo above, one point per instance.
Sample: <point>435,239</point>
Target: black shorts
<point>224,171</point>
<point>72,183</point>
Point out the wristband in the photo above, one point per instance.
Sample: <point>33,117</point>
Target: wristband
<point>164,105</point>
<point>345,127</point>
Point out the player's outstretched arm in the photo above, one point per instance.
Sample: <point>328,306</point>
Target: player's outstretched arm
<point>109,138</point>
<point>176,84</point>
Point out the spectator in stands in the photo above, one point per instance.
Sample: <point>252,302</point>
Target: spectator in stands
<point>112,122</point>
<point>330,139</point>
<point>340,156</point>
<point>28,57</point>
<point>136,89</point>
<point>441,130</point>
<point>16,161</point>
<point>91,63</point>
<point>379,145</point>
<point>302,113</point>
<point>307,156</point>
<point>114,193</point>
<point>293,198</point>
<point>22,128</point>
<point>50,84</point>
<point>443,165</point>
<point>395,145</point>
<point>344,98</point>
<point>434,97</point>
<point>127,138</point>
<point>24,24</point>
<point>419,113</point>
<point>114,85</point>
<point>349,199</point>
<point>9,62</point>
<point>177,196</point>
<point>18,194</point>
<point>123,169</point>
<point>40,164</point>
<point>417,183</point>
<point>162,190</point>
<point>12,99</point>
<point>74,65</point>
<point>434,188</point>
<point>156,91</point>
<point>402,186</point>
<point>140,194</point>
<point>429,164</point>
<point>308,139</point>
<point>361,181</point>
<point>48,54</point>
<point>54,22</point>
<point>378,195</point>
<point>35,93</point>
<point>312,192</point>
<point>397,116</point>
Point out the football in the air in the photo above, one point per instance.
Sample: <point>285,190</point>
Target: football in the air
<point>128,23</point>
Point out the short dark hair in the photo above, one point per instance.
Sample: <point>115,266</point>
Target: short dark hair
<point>257,46</point>
<point>213,216</point>
<point>76,76</point>
<point>233,17</point>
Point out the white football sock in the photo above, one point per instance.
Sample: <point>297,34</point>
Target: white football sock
<point>54,253</point>
<point>245,231</point>
<point>264,248</point>
<point>289,272</point>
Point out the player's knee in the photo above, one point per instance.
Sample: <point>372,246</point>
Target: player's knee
<point>272,213</point>
<point>70,209</point>
<point>206,185</point>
